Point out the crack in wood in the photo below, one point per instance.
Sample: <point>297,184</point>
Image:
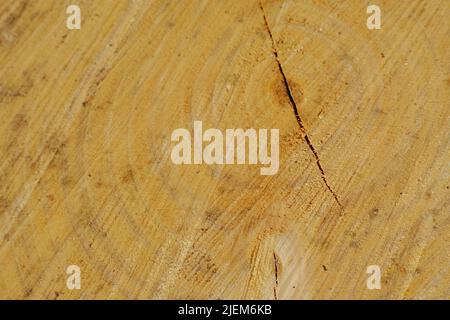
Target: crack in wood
<point>275,287</point>
<point>294,107</point>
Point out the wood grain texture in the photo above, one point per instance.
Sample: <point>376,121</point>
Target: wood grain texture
<point>86,176</point>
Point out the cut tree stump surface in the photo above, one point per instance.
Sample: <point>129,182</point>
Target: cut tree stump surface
<point>86,176</point>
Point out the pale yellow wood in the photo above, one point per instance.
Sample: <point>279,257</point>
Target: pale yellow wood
<point>86,176</point>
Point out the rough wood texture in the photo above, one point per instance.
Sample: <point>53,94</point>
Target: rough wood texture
<point>86,176</point>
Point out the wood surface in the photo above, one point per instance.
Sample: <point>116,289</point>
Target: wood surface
<point>86,176</point>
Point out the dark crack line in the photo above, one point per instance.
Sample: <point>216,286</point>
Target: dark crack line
<point>275,287</point>
<point>294,107</point>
